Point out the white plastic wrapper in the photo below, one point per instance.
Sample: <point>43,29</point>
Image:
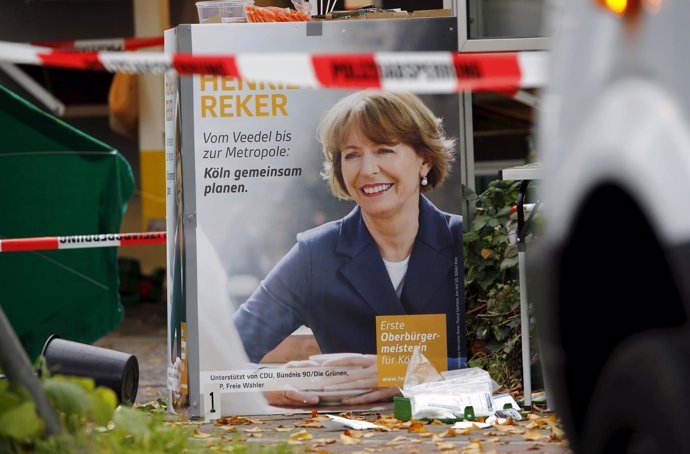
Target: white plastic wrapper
<point>450,406</point>
<point>445,395</point>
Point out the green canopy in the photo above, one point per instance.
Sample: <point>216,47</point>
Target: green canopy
<point>57,181</point>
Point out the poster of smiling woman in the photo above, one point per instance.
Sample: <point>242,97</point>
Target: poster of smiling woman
<point>314,239</point>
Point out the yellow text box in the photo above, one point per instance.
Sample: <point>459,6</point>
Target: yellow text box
<point>398,335</point>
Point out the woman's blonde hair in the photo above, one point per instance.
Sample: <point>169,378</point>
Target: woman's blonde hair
<point>384,118</point>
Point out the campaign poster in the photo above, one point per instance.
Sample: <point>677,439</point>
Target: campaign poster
<point>280,300</point>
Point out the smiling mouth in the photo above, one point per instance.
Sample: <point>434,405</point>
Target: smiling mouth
<point>376,189</point>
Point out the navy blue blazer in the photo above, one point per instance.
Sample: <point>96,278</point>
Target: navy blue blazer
<point>335,282</point>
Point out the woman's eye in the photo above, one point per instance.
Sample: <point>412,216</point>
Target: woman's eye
<point>386,150</point>
<point>350,155</point>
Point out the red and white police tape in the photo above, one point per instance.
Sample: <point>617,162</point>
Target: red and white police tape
<point>109,44</point>
<point>81,241</point>
<point>421,72</point>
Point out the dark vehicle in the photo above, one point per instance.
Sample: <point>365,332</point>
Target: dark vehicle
<point>611,272</point>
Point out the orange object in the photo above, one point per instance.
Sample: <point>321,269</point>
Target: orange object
<point>274,14</point>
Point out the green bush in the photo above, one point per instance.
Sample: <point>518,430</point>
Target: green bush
<point>492,289</point>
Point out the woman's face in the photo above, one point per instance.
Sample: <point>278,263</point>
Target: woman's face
<point>382,179</point>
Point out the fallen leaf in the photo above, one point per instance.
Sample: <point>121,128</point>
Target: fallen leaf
<point>472,448</point>
<point>347,440</point>
<point>417,427</point>
<point>558,432</point>
<point>198,434</point>
<point>283,429</point>
<point>399,438</point>
<point>313,424</point>
<point>444,446</point>
<point>534,435</point>
<point>300,436</point>
<point>508,429</point>
<point>236,421</point>
<point>253,430</point>
<point>353,433</point>
<point>318,442</point>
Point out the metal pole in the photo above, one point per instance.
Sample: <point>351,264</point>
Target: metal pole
<point>17,367</point>
<point>524,328</point>
<point>524,307</point>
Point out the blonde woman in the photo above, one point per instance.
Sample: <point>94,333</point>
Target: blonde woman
<point>394,254</point>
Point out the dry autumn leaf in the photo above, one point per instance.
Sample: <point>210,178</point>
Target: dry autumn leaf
<point>417,427</point>
<point>300,436</point>
<point>198,434</point>
<point>472,448</point>
<point>347,440</point>
<point>508,429</point>
<point>558,432</point>
<point>444,446</point>
<point>353,433</point>
<point>236,421</point>
<point>399,439</point>
<point>311,423</point>
<point>320,442</point>
<point>534,435</point>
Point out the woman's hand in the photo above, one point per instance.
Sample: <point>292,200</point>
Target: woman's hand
<point>292,397</point>
<point>366,377</point>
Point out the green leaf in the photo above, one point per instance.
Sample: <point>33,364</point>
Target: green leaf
<point>8,400</point>
<point>486,281</point>
<point>512,250</point>
<point>500,332</point>
<point>468,193</point>
<point>480,222</point>
<point>477,361</point>
<point>501,238</point>
<point>21,422</point>
<point>132,422</point>
<point>509,262</point>
<point>504,304</point>
<point>505,211</point>
<point>69,397</point>
<point>482,332</point>
<point>104,402</point>
<point>470,236</point>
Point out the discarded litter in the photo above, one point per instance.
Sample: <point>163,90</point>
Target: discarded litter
<point>461,394</point>
<point>337,422</point>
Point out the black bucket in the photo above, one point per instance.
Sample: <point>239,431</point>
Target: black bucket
<point>113,369</point>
